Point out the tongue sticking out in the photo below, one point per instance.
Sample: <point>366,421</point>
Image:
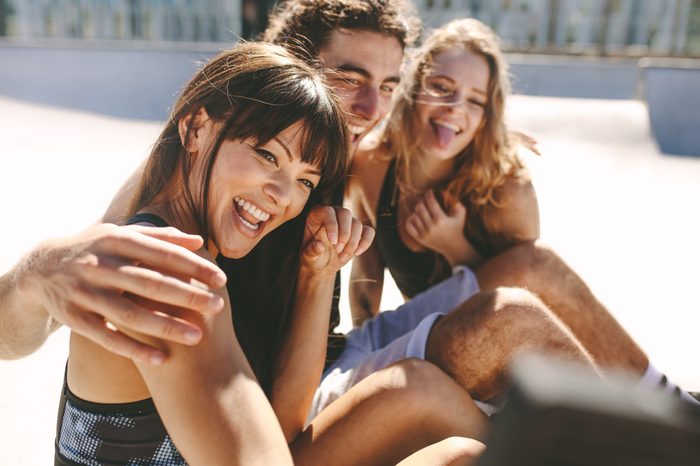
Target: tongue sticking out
<point>444,135</point>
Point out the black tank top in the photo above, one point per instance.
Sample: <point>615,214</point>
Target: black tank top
<point>412,271</point>
<point>113,433</point>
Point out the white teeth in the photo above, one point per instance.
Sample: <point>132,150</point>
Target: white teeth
<point>252,210</point>
<point>447,125</point>
<point>248,224</point>
<point>356,129</point>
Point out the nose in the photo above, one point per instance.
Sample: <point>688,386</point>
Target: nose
<point>366,104</point>
<point>279,190</point>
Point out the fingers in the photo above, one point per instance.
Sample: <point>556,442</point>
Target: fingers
<point>350,247</point>
<point>166,256</point>
<point>133,315</point>
<point>458,210</point>
<point>417,225</point>
<point>433,206</point>
<point>150,284</point>
<point>365,240</point>
<point>323,217</point>
<point>347,227</point>
<point>95,328</point>
<point>171,235</point>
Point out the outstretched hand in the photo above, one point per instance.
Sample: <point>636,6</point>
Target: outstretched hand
<point>121,275</point>
<point>332,236</point>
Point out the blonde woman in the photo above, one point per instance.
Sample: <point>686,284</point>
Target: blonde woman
<point>445,186</point>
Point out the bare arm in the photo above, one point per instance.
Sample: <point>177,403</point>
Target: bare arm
<point>366,284</point>
<point>80,281</point>
<point>519,218</point>
<point>302,354</point>
<point>367,273</point>
<point>210,401</point>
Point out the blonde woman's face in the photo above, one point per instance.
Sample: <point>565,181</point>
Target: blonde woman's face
<point>450,103</point>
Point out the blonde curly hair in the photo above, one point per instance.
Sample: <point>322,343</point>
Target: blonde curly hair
<point>486,163</point>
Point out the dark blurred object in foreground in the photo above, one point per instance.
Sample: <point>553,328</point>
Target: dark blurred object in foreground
<point>558,415</point>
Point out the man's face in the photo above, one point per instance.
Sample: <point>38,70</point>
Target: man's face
<point>363,69</point>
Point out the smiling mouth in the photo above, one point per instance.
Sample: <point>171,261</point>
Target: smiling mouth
<point>356,132</point>
<point>250,215</point>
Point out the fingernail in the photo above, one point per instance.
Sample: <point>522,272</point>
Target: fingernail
<point>333,237</point>
<point>156,359</point>
<point>192,336</point>
<point>339,247</point>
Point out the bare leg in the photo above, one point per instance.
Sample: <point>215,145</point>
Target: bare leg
<point>388,416</point>
<point>476,342</point>
<point>540,270</point>
<point>453,451</point>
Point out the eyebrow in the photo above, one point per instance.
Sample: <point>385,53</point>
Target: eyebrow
<point>286,149</point>
<point>474,89</point>
<point>359,70</point>
<point>312,171</point>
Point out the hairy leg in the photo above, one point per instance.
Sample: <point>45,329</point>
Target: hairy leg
<point>453,451</point>
<point>540,270</point>
<point>388,416</point>
<point>476,342</point>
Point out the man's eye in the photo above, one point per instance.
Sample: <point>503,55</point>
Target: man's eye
<point>387,88</point>
<point>267,155</point>
<point>308,184</point>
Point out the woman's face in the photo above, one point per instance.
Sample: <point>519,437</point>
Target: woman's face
<point>450,102</point>
<point>256,188</point>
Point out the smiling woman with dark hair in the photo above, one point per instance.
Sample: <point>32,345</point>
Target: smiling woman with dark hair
<point>252,136</point>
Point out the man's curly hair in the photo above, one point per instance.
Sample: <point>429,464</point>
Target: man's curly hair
<point>309,23</point>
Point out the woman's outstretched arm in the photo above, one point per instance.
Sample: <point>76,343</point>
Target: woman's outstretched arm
<point>78,281</point>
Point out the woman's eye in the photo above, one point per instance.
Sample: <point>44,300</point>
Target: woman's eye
<point>267,155</point>
<point>477,103</point>
<point>308,184</point>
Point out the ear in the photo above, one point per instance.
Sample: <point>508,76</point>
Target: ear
<point>200,128</point>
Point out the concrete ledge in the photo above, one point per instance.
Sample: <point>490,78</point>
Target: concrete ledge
<point>576,77</point>
<point>672,93</point>
<point>125,83</point>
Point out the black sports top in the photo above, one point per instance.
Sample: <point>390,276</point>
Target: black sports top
<point>116,433</point>
<point>113,433</point>
<point>412,271</point>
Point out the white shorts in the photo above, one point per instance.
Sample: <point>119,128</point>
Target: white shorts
<point>392,336</point>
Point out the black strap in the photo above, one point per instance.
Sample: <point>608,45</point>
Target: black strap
<point>144,217</point>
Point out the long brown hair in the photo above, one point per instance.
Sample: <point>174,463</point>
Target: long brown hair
<point>255,90</point>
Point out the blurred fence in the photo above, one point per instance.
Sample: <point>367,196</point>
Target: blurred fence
<point>627,27</point>
<point>597,27</point>
<point>157,20</point>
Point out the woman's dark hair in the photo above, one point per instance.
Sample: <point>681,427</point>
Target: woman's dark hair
<point>255,90</point>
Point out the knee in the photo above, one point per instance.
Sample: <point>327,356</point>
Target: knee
<point>530,260</point>
<point>423,386</point>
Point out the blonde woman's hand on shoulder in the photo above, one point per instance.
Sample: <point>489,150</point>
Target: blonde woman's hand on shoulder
<point>440,231</point>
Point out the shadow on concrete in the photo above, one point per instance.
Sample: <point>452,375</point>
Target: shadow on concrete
<point>135,84</point>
